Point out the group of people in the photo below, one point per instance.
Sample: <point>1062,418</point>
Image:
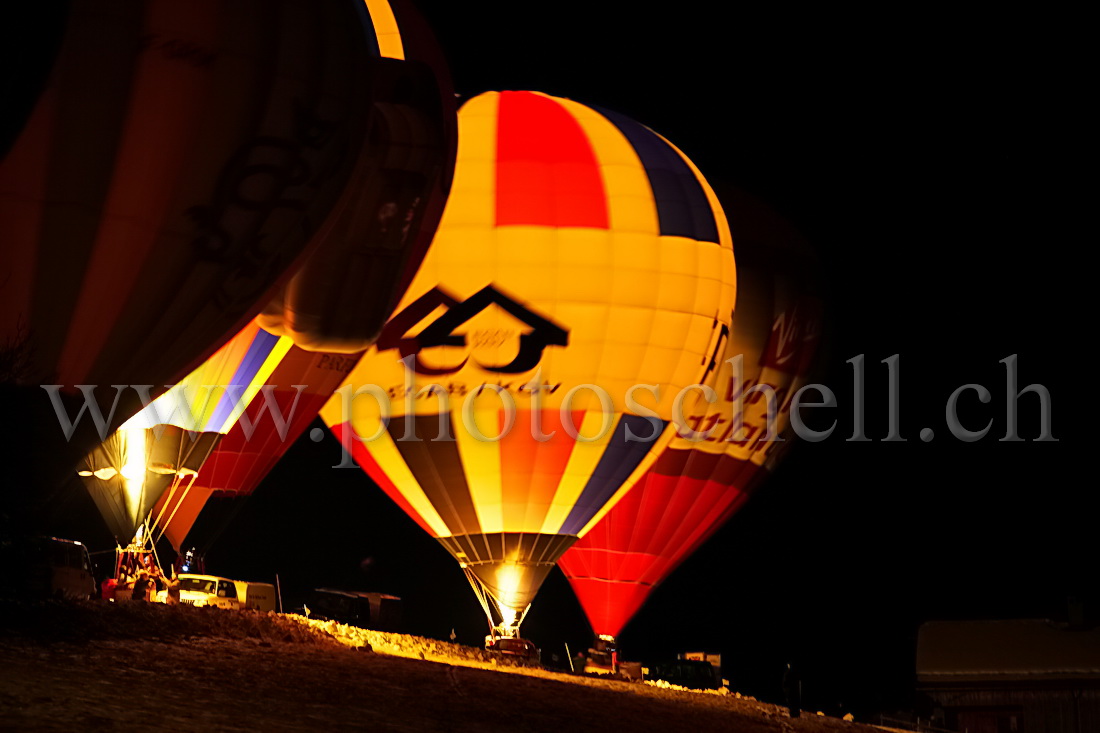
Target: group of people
<point>141,584</point>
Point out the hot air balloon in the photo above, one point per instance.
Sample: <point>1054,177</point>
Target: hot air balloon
<point>343,294</point>
<point>178,162</point>
<point>302,382</point>
<point>698,482</point>
<point>581,276</point>
<point>163,447</point>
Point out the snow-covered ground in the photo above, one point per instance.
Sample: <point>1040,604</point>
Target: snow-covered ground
<point>135,666</point>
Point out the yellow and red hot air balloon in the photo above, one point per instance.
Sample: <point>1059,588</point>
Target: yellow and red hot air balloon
<point>300,385</point>
<point>698,483</point>
<point>582,275</point>
<point>342,295</point>
<point>177,163</point>
<point>165,445</point>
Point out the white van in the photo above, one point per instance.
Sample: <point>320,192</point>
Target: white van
<point>212,590</point>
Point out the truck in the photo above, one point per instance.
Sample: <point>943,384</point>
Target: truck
<point>378,611</point>
<point>697,670</point>
<point>46,567</point>
<point>215,591</point>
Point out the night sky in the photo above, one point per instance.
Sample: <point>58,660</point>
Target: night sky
<point>929,158</point>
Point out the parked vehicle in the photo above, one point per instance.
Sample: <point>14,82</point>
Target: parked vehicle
<point>513,647</point>
<point>693,673</point>
<point>367,610</point>
<point>46,567</point>
<point>218,592</point>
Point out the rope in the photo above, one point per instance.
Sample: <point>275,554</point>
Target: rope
<point>163,526</point>
<point>484,595</point>
<point>481,593</point>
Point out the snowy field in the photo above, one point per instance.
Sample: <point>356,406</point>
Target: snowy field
<point>138,666</point>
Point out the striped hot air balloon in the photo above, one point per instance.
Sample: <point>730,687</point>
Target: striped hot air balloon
<point>580,254</point>
<point>301,384</point>
<point>698,482</point>
<point>165,445</point>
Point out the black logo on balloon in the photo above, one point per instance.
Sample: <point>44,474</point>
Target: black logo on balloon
<point>441,332</point>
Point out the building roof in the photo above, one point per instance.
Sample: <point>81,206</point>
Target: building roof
<point>1005,650</point>
<point>357,593</point>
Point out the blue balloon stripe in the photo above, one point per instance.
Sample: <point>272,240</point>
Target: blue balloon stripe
<point>619,460</point>
<point>258,351</point>
<point>683,208</point>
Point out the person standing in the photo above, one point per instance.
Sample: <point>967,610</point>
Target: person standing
<point>172,589</point>
<point>141,586</point>
<point>792,690</point>
<point>124,588</point>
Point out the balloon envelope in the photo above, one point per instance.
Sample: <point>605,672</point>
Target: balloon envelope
<point>341,296</point>
<point>579,253</point>
<point>129,472</point>
<point>697,484</point>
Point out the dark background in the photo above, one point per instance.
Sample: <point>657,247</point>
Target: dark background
<point>933,160</point>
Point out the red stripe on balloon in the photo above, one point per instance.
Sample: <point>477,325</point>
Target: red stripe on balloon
<point>241,460</point>
<point>346,435</point>
<point>547,172</point>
